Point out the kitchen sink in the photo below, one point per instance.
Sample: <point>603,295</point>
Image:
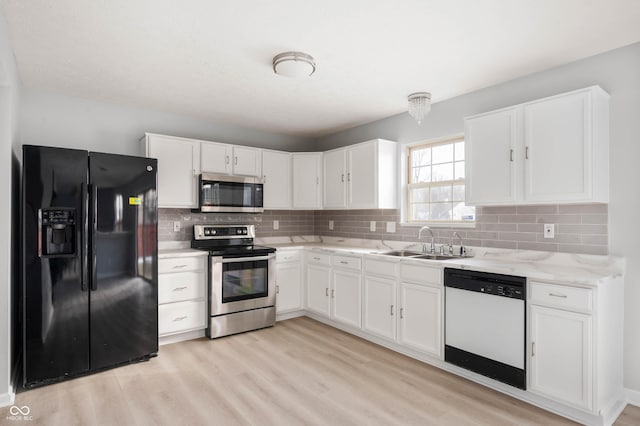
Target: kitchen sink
<point>402,253</point>
<point>419,255</point>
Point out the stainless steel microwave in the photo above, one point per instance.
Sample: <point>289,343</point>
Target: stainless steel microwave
<point>225,194</point>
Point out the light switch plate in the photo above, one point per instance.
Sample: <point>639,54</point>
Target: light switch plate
<point>276,224</point>
<point>549,230</point>
<point>372,226</point>
<point>330,225</point>
<point>176,226</point>
<point>391,227</point>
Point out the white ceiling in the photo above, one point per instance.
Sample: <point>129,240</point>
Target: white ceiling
<point>212,59</point>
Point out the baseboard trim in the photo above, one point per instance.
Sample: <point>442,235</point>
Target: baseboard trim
<point>289,315</point>
<point>8,398</point>
<point>181,337</point>
<point>633,397</point>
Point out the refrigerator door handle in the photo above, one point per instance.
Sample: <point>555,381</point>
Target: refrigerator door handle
<point>83,230</point>
<point>94,229</point>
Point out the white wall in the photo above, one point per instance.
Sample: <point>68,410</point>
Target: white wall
<point>71,122</point>
<point>9,107</point>
<point>617,72</point>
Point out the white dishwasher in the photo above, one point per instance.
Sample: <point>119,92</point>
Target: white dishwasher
<point>485,324</point>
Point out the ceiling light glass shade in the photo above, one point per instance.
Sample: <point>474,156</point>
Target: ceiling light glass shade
<point>294,64</point>
<point>419,105</point>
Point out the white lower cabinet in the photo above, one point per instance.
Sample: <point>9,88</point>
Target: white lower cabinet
<point>346,297</point>
<point>420,318</point>
<point>561,356</point>
<point>318,283</point>
<point>380,306</point>
<point>182,293</point>
<point>288,282</point>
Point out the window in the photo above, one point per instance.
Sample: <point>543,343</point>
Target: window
<point>435,185</point>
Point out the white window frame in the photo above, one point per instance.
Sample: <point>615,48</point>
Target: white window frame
<point>406,169</point>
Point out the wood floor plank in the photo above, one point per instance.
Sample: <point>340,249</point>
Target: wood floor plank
<point>300,372</point>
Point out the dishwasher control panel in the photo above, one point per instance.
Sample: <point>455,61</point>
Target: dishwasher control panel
<point>484,282</point>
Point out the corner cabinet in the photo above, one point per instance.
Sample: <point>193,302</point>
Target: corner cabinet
<point>361,176</point>
<point>178,169</point>
<point>307,180</point>
<point>552,150</point>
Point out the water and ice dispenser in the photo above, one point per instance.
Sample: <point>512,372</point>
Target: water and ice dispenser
<point>57,232</point>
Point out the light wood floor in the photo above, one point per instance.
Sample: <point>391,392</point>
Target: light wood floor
<point>298,372</point>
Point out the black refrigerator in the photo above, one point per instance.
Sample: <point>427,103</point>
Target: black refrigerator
<point>89,259</point>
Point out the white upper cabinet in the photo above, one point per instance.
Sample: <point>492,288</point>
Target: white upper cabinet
<point>215,158</point>
<point>220,158</point>
<point>247,161</point>
<point>491,152</point>
<point>361,176</point>
<point>178,169</point>
<point>276,173</point>
<point>553,150</point>
<point>307,178</point>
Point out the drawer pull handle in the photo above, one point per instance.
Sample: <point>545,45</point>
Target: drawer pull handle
<point>391,310</point>
<point>179,318</point>
<point>179,266</point>
<point>316,258</point>
<point>564,296</point>
<point>343,262</point>
<point>326,291</point>
<point>180,288</point>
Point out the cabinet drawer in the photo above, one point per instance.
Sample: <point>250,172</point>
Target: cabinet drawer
<point>181,286</point>
<point>561,296</point>
<point>380,267</point>
<point>287,256</point>
<point>420,274</point>
<point>321,258</point>
<point>181,316</point>
<point>347,262</point>
<point>181,264</point>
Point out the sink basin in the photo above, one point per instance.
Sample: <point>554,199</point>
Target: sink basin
<point>402,253</point>
<point>435,257</point>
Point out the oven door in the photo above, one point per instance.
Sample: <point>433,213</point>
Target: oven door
<point>240,284</point>
<point>230,194</point>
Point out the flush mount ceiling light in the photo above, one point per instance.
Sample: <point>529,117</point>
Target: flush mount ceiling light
<point>294,64</point>
<point>419,105</point>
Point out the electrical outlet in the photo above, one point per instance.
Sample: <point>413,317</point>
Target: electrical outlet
<point>372,226</point>
<point>176,226</point>
<point>276,224</point>
<point>549,230</point>
<point>391,227</point>
<point>330,225</point>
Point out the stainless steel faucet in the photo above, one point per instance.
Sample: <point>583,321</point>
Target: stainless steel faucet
<point>433,242</point>
<point>463,249</point>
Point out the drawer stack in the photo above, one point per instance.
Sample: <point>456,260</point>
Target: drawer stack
<point>182,294</point>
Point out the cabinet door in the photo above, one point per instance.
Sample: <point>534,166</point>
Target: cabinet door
<point>318,283</point>
<point>246,161</point>
<point>288,287</point>
<point>420,324</point>
<point>491,157</point>
<point>558,148</point>
<point>306,180</point>
<point>276,172</point>
<point>561,356</point>
<point>215,158</point>
<point>346,296</point>
<point>380,306</point>
<point>177,180</point>
<point>335,179</point>
<point>362,178</point>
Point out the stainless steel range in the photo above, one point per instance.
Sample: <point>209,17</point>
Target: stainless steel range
<point>241,279</point>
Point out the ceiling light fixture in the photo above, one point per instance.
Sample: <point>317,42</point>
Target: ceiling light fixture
<point>419,105</point>
<point>294,64</point>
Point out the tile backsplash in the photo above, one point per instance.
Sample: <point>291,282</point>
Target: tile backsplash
<point>579,228</point>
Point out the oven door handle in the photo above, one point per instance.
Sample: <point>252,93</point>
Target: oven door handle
<point>246,259</point>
